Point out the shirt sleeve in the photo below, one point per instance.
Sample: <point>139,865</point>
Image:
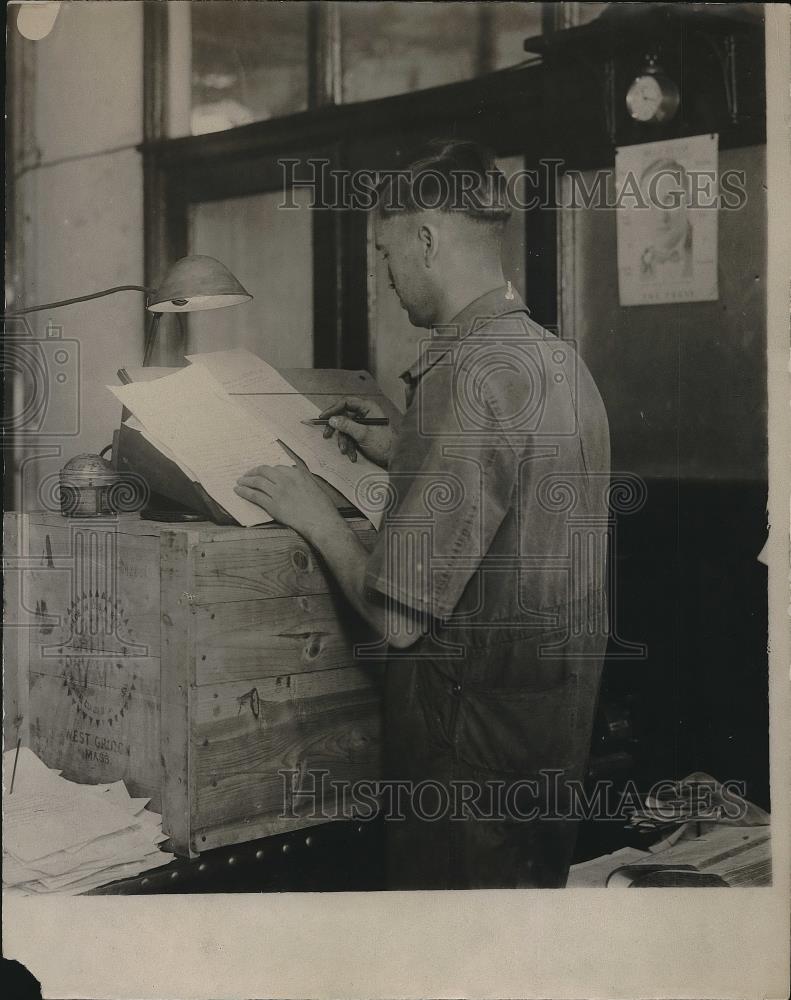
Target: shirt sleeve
<point>443,518</point>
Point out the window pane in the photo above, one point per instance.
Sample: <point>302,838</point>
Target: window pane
<point>512,23</point>
<point>246,61</point>
<point>392,48</point>
<point>394,342</point>
<point>270,251</point>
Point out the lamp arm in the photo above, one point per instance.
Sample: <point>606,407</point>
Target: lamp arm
<point>79,298</point>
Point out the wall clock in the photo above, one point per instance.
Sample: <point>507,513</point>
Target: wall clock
<point>652,96</point>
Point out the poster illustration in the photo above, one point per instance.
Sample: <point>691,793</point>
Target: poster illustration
<point>667,205</point>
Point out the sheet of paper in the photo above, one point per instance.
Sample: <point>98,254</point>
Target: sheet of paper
<point>93,880</point>
<point>208,431</point>
<point>82,881</point>
<point>104,853</point>
<point>737,854</point>
<point>134,424</point>
<point>132,842</point>
<point>39,822</point>
<point>274,402</point>
<point>62,836</point>
<point>240,371</point>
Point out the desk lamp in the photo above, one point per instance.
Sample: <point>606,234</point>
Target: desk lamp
<point>193,283</point>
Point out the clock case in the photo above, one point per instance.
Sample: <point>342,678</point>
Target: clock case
<point>713,53</point>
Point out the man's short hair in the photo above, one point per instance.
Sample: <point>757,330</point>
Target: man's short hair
<point>451,175</point>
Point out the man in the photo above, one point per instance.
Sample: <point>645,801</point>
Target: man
<point>487,577</point>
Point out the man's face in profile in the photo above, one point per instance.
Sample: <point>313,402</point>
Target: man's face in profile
<point>397,239</point>
<point>666,222</point>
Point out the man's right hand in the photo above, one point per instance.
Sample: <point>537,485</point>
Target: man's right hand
<point>374,442</point>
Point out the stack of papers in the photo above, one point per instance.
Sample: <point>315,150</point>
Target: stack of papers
<point>60,836</point>
<point>740,856</point>
<point>274,403</point>
<point>193,421</point>
<point>229,412</point>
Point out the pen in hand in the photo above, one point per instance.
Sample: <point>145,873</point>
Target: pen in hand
<point>359,423</point>
<point>365,421</point>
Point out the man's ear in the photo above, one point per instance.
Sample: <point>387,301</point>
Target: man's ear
<point>428,234</point>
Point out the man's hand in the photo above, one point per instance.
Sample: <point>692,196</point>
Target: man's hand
<point>291,495</point>
<point>374,442</point>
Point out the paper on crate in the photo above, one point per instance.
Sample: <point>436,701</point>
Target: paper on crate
<point>271,399</point>
<point>208,432</point>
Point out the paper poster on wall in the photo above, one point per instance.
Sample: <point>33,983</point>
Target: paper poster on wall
<point>667,198</point>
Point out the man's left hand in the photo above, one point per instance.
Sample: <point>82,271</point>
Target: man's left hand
<point>290,494</point>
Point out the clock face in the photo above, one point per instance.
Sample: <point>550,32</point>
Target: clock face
<point>644,98</point>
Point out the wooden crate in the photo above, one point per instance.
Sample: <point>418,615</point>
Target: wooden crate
<point>193,661</point>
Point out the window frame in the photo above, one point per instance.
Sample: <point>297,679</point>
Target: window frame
<point>501,109</point>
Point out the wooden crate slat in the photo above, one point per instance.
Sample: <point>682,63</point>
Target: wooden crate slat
<point>125,524</point>
<point>218,704</point>
<point>287,635</point>
<point>265,565</point>
<point>208,532</point>
<point>237,773</point>
<point>268,737</point>
<point>309,794</point>
<point>178,677</point>
<point>274,566</point>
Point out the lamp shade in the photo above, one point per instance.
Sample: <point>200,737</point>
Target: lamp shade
<point>197,282</point>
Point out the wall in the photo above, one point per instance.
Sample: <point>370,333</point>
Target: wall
<point>685,390</point>
<point>80,185</point>
<point>685,385</point>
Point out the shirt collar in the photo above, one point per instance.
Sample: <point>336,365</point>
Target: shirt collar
<point>498,302</point>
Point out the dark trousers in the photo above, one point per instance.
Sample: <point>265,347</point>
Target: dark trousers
<point>487,750</point>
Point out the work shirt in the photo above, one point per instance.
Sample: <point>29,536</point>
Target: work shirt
<point>495,531</point>
<point>499,473</point>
